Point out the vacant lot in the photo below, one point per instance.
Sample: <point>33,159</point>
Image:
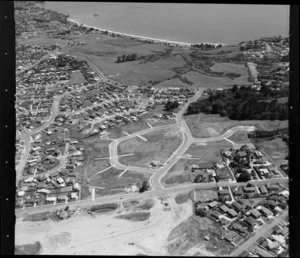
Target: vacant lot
<point>240,137</point>
<point>203,195</point>
<point>113,184</point>
<point>41,216</point>
<point>209,152</point>
<point>76,78</point>
<point>201,125</point>
<point>155,146</point>
<point>179,173</point>
<point>276,148</point>
<point>136,216</point>
<point>191,233</point>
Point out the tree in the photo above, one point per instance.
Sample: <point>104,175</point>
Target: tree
<point>200,212</point>
<point>119,59</point>
<point>244,176</point>
<point>171,105</point>
<point>145,187</point>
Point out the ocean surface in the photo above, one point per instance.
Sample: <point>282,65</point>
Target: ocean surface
<point>190,23</point>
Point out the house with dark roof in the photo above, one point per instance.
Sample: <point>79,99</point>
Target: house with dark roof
<point>255,213</point>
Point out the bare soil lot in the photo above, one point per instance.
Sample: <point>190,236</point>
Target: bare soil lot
<point>191,233</point>
<point>159,146</point>
<point>199,124</point>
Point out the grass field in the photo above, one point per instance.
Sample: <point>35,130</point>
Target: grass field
<point>207,81</point>
<point>146,205</point>
<point>203,195</point>
<point>94,148</point>
<point>31,249</point>
<point>200,124</point>
<point>76,78</point>
<point>114,184</point>
<point>233,68</point>
<point>276,148</point>
<point>181,198</point>
<point>136,216</point>
<point>179,173</point>
<point>159,146</point>
<point>172,83</point>
<point>209,152</point>
<point>191,233</point>
<point>240,137</point>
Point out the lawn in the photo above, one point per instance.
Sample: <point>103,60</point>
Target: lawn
<point>179,173</point>
<point>202,125</point>
<point>159,146</point>
<point>172,83</point>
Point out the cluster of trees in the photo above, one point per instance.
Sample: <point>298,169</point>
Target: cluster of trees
<point>206,46</point>
<point>244,176</point>
<point>145,187</point>
<point>126,58</point>
<point>242,103</point>
<point>171,105</point>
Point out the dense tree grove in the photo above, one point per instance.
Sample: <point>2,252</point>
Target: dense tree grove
<point>145,187</point>
<point>170,105</point>
<point>126,58</point>
<point>243,103</point>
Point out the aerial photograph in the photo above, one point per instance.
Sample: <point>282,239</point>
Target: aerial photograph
<point>156,129</point>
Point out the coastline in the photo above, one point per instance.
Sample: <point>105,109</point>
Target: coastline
<point>140,38</point>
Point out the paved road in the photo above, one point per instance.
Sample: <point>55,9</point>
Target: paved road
<point>172,191</point>
<point>260,232</point>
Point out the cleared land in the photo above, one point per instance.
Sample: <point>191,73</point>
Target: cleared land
<point>199,124</point>
<point>210,152</point>
<point>191,233</point>
<point>203,195</point>
<point>76,78</point>
<point>159,146</point>
<point>113,184</point>
<point>135,216</point>
<point>240,137</point>
<point>276,148</point>
<point>179,173</point>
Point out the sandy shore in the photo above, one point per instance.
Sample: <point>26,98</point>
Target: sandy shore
<point>104,234</point>
<point>142,38</point>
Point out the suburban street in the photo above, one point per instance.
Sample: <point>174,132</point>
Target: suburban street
<point>259,233</point>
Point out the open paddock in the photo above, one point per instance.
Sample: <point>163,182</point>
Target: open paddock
<point>199,124</point>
